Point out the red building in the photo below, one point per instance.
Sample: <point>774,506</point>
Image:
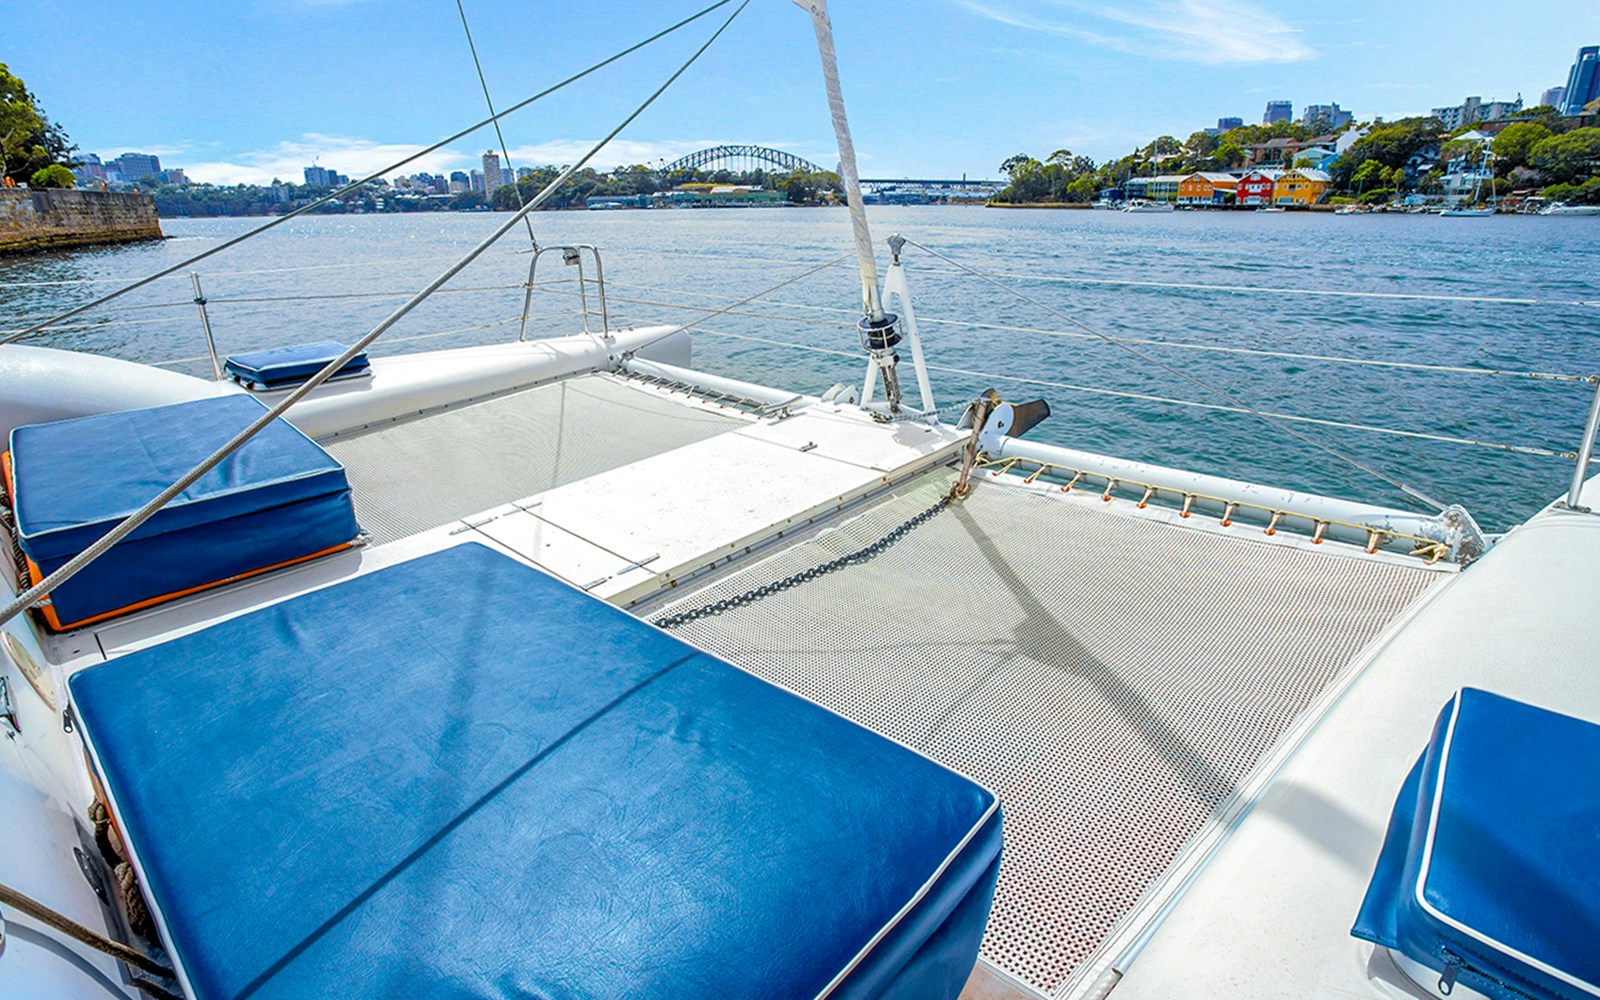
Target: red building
<point>1255,188</point>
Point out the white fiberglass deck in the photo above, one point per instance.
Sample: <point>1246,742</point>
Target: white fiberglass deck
<point>1270,915</point>
<point>1116,677</point>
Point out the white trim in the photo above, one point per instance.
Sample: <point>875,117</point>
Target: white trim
<point>1427,860</point>
<point>921,893</point>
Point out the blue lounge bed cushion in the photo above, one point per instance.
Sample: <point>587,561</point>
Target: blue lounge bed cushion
<point>458,776</point>
<point>1487,874</point>
<point>285,366</point>
<point>279,497</point>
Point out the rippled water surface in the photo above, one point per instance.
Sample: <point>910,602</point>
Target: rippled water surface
<point>334,277</point>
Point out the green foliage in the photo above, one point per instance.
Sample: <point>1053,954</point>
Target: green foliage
<point>29,142</point>
<point>1377,195</point>
<point>1062,177</point>
<point>1515,142</point>
<point>53,176</point>
<point>1392,145</point>
<point>1570,157</point>
<point>1587,193</point>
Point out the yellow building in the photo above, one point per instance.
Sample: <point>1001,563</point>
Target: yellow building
<point>1301,186</point>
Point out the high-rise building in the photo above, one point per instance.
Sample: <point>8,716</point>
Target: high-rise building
<point>174,175</point>
<point>477,180</point>
<point>1331,115</point>
<point>459,181</point>
<point>90,170</point>
<point>492,178</point>
<point>137,166</point>
<point>1555,97</point>
<point>1476,109</point>
<point>1229,124</point>
<point>318,176</point>
<point>1583,83</point>
<point>1278,111</point>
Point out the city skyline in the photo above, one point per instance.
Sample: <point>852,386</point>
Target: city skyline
<point>991,78</point>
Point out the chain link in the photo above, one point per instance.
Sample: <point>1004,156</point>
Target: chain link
<point>860,555</point>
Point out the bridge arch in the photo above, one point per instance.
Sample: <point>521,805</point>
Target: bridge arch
<point>742,159</point>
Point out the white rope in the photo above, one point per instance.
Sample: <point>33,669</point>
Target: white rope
<point>353,185</point>
<point>143,514</point>
<point>870,302</point>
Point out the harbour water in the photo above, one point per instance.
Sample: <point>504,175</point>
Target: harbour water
<point>333,277</point>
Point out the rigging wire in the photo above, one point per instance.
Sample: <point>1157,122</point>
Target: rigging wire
<point>1148,341</point>
<point>1271,421</point>
<point>1169,400</point>
<point>143,514</point>
<point>484,82</point>
<point>353,185</point>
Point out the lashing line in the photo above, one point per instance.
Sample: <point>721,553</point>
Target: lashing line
<point>1429,549</point>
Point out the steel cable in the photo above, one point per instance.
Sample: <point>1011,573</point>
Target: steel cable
<point>353,185</point>
<point>132,521</point>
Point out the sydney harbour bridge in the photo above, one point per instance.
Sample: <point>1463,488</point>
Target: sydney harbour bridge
<point>748,159</point>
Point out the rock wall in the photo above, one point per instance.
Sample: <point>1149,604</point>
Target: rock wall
<point>31,221</point>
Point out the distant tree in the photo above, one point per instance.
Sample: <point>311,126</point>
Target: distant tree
<point>466,200</point>
<point>1228,154</point>
<point>1397,178</point>
<point>1570,157</point>
<point>1514,143</point>
<point>29,141</point>
<point>1392,145</point>
<point>53,176</point>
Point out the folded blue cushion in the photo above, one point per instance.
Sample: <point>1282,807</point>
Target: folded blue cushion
<point>279,497</point>
<point>1487,874</point>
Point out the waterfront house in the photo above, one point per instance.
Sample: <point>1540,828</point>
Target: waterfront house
<point>1164,187</point>
<point>1466,172</point>
<point>1276,152</point>
<point>1255,187</point>
<point>1137,187</point>
<point>1301,186</point>
<point>1207,188</point>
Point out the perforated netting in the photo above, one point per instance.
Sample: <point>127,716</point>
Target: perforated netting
<point>422,473</point>
<point>1113,678</point>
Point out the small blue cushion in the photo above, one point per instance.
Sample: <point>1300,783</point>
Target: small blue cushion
<point>1487,874</point>
<point>284,366</point>
<point>460,777</point>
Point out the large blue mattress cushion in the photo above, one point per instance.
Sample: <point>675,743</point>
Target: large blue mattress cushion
<point>1488,874</point>
<point>278,498</point>
<point>282,367</point>
<point>460,777</point>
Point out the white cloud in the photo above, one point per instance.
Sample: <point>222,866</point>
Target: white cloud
<point>286,160</point>
<point>1203,31</point>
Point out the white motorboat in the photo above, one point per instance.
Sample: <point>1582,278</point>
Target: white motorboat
<point>1141,206</point>
<point>1575,210</point>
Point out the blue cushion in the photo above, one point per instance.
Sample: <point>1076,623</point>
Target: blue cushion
<point>284,366</point>
<point>1487,874</point>
<point>458,776</point>
<point>278,498</point>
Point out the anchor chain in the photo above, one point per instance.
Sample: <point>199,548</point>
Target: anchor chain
<point>860,555</point>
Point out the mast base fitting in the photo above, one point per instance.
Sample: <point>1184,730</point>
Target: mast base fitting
<point>879,334</point>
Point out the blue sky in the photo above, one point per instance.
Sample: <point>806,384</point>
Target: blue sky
<point>245,90</point>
